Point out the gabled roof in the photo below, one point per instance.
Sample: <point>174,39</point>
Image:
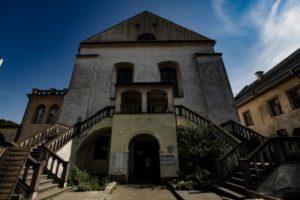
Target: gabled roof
<point>282,71</point>
<point>146,22</point>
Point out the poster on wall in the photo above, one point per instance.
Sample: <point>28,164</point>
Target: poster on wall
<point>167,159</point>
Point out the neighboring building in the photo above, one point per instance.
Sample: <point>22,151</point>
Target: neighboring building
<point>143,67</point>
<point>43,109</point>
<point>271,104</point>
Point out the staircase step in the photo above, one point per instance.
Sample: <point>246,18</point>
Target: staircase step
<point>47,186</point>
<point>45,181</point>
<point>229,193</point>
<point>52,194</point>
<point>235,187</point>
<point>16,153</point>
<point>4,196</point>
<point>236,180</point>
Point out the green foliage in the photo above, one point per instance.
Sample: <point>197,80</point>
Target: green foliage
<point>7,122</point>
<point>197,151</point>
<point>81,180</point>
<point>184,185</point>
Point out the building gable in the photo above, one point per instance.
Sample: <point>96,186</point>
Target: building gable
<point>148,24</point>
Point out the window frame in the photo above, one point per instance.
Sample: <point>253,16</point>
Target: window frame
<point>175,86</point>
<point>125,71</point>
<point>247,123</point>
<point>50,109</point>
<point>291,99</point>
<point>97,155</point>
<point>33,121</point>
<point>270,107</point>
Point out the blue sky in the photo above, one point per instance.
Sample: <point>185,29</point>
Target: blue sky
<point>39,39</point>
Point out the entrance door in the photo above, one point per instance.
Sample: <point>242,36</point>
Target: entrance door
<point>146,160</point>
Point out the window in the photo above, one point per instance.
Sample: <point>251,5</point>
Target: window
<point>296,132</point>
<point>131,102</point>
<point>124,75</point>
<point>294,96</point>
<point>53,114</point>
<point>274,106</point>
<point>282,133</point>
<point>247,118</point>
<point>101,148</point>
<point>146,37</point>
<point>168,75</point>
<point>39,114</point>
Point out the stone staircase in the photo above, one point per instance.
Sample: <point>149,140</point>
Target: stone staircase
<point>48,188</point>
<point>249,158</point>
<point>11,165</point>
<point>33,169</point>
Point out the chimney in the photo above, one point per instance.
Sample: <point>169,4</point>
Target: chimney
<point>259,74</point>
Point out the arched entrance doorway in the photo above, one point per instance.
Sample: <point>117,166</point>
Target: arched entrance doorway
<point>144,165</point>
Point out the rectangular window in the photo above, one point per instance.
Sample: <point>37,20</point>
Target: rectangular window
<point>101,148</point>
<point>294,96</point>
<point>274,106</point>
<point>247,118</point>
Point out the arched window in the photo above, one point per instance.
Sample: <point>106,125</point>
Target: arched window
<point>53,114</point>
<point>157,101</point>
<point>2,139</point>
<point>146,37</point>
<point>39,114</point>
<point>168,75</point>
<point>124,75</point>
<point>131,102</point>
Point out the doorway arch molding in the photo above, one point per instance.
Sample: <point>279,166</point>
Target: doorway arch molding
<point>143,132</point>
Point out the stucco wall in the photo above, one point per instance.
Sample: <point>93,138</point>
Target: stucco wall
<point>91,83</point>
<point>266,124</point>
<point>160,126</point>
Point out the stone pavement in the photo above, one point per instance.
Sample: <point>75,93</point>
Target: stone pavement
<point>198,196</point>
<point>83,196</point>
<point>141,192</point>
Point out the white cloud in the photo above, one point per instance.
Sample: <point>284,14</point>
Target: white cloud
<point>277,26</point>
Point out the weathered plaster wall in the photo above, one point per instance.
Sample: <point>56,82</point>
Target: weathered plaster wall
<point>91,84</point>
<point>266,124</point>
<point>284,178</point>
<point>215,89</point>
<point>160,126</point>
<point>146,23</point>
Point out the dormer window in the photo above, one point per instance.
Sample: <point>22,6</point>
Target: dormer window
<point>146,37</point>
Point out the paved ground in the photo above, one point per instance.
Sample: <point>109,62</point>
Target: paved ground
<point>141,192</point>
<point>199,196</point>
<point>83,196</point>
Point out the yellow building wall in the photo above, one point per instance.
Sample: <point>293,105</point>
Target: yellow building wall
<point>266,124</point>
<point>127,126</point>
